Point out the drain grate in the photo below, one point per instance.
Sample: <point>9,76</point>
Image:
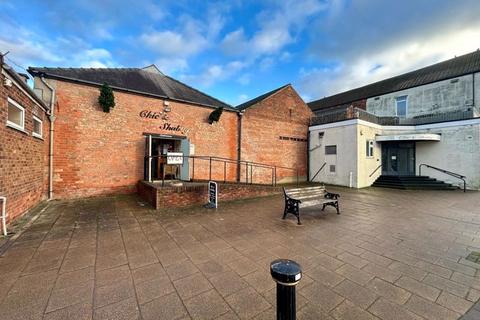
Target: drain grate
<point>474,256</point>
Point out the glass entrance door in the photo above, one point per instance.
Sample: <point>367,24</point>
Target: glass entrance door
<point>398,158</point>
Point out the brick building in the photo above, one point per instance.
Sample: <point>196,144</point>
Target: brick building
<point>99,153</point>
<point>24,143</point>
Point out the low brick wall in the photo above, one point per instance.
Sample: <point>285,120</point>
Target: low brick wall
<point>197,193</point>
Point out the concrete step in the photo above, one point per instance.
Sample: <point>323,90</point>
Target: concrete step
<point>412,183</point>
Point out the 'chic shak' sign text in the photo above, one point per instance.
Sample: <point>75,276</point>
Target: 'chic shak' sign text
<point>147,114</point>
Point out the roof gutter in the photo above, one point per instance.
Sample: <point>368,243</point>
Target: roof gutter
<point>52,122</point>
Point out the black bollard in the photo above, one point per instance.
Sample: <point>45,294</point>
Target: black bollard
<point>287,274</point>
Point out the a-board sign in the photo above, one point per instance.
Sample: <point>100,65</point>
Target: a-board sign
<point>174,158</point>
<point>212,194</point>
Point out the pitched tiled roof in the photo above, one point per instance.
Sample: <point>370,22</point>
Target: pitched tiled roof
<point>250,103</point>
<point>148,81</point>
<point>458,66</point>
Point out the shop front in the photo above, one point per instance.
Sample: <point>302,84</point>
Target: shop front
<point>163,130</point>
<point>166,157</point>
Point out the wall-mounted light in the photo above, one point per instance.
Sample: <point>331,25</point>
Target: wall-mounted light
<point>166,106</point>
<point>7,82</point>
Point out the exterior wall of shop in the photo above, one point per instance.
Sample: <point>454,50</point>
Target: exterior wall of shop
<point>102,153</point>
<point>344,137</point>
<point>367,165</point>
<point>274,131</point>
<point>23,158</point>
<point>458,151</point>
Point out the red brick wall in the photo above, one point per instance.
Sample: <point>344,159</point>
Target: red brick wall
<point>188,195</point>
<point>23,158</point>
<point>100,153</point>
<point>283,114</point>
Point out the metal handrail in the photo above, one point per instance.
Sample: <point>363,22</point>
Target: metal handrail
<point>323,166</point>
<point>237,162</point>
<point>453,174</point>
<point>375,171</point>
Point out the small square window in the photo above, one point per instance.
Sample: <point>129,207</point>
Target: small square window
<point>37,127</point>
<point>401,106</point>
<point>369,148</point>
<point>332,168</point>
<point>330,149</point>
<point>16,115</point>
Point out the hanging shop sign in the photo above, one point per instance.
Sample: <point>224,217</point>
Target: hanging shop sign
<point>174,158</point>
<point>167,126</point>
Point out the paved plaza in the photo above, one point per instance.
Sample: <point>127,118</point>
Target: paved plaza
<point>390,255</point>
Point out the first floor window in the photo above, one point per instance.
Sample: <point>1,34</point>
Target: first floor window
<point>37,127</point>
<point>369,147</point>
<point>402,106</point>
<point>16,115</point>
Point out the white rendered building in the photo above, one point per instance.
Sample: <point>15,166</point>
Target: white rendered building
<point>423,123</point>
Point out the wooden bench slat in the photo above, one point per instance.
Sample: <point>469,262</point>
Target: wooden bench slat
<point>307,196</point>
<point>312,203</point>
<point>304,189</point>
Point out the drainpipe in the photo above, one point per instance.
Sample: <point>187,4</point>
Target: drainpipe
<point>239,144</point>
<point>52,121</point>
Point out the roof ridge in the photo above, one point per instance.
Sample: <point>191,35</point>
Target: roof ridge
<point>86,68</point>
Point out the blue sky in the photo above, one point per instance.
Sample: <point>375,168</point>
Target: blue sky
<point>236,50</point>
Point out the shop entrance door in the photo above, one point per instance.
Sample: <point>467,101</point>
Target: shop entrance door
<point>398,158</point>
<point>156,165</point>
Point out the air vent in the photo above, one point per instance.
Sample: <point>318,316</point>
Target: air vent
<point>454,81</point>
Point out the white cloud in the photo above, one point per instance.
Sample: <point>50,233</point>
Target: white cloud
<point>94,58</point>
<point>244,79</point>
<point>285,56</point>
<point>214,73</point>
<point>191,37</point>
<point>171,66</point>
<point>278,27</point>
<point>403,57</point>
<point>242,98</point>
<point>266,63</point>
<point>178,44</point>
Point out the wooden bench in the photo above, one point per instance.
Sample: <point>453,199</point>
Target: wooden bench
<point>308,197</point>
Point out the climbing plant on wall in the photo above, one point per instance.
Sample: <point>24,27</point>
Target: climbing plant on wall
<point>106,98</point>
<point>215,115</point>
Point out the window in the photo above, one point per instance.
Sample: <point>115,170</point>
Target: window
<point>332,168</point>
<point>37,127</point>
<point>330,149</point>
<point>402,106</point>
<point>16,115</point>
<point>369,146</point>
